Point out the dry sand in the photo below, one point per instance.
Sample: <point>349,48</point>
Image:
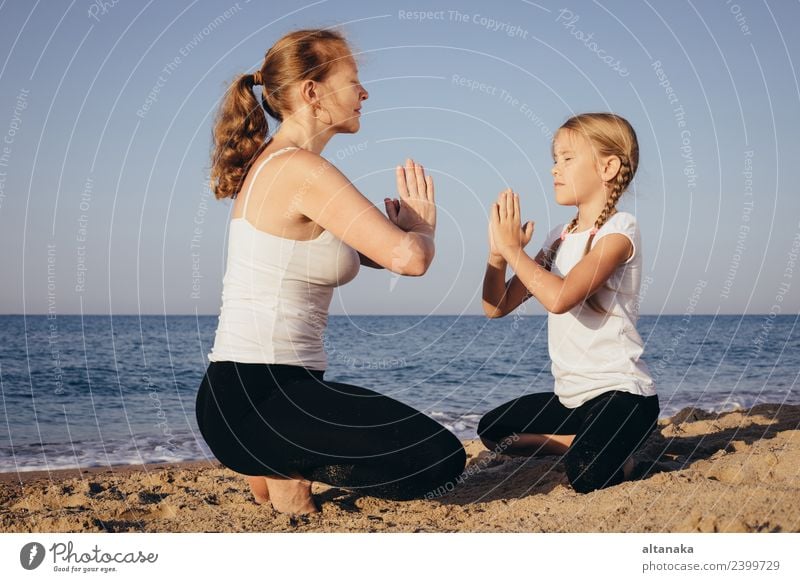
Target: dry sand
<point>729,472</point>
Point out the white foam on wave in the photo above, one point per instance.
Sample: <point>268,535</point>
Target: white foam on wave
<point>148,450</point>
<point>464,426</point>
<point>145,451</point>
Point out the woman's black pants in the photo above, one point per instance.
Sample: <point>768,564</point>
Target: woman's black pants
<point>280,420</point>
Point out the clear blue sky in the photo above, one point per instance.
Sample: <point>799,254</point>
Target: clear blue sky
<point>103,197</point>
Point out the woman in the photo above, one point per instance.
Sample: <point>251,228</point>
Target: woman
<point>299,229</point>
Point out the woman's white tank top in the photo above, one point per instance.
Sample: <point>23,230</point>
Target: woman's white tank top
<point>276,293</point>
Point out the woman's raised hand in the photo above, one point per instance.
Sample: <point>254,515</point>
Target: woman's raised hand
<point>416,209</point>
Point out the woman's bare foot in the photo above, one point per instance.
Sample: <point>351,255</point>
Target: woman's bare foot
<point>258,485</point>
<point>291,495</point>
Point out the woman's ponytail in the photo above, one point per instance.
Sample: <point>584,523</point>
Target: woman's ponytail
<point>239,134</point>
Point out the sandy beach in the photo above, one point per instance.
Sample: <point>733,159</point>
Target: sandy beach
<point>699,472</point>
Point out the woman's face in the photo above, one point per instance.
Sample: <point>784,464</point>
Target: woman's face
<point>576,175</point>
<point>341,97</point>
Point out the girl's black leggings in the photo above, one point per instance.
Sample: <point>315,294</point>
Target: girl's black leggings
<point>608,429</point>
<point>277,420</point>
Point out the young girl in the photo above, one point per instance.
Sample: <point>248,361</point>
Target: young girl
<point>587,276</point>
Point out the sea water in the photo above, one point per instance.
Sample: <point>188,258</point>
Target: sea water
<point>108,390</point>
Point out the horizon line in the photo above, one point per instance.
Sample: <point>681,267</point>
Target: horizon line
<point>376,314</point>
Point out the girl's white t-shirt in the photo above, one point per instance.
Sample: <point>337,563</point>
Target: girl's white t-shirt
<point>593,353</point>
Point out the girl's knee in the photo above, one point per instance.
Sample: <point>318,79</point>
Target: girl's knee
<point>488,429</point>
<point>483,425</point>
<point>489,444</point>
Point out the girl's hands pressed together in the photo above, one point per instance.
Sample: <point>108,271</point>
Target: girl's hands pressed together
<point>416,209</point>
<point>506,236</point>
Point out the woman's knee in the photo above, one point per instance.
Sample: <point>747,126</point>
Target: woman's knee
<point>428,474</point>
<point>445,461</point>
<point>458,460</point>
<point>453,455</point>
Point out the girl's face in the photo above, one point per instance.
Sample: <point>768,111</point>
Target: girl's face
<point>342,97</point>
<point>576,172</point>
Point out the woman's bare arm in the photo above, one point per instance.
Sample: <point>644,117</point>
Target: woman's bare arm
<point>367,262</point>
<point>329,199</point>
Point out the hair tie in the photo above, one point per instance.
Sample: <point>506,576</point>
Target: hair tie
<point>257,80</point>
<point>593,231</point>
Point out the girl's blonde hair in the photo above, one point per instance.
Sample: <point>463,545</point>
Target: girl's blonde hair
<point>240,127</point>
<point>609,135</point>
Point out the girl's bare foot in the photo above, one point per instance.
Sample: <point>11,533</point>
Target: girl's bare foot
<point>291,495</point>
<point>258,485</point>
